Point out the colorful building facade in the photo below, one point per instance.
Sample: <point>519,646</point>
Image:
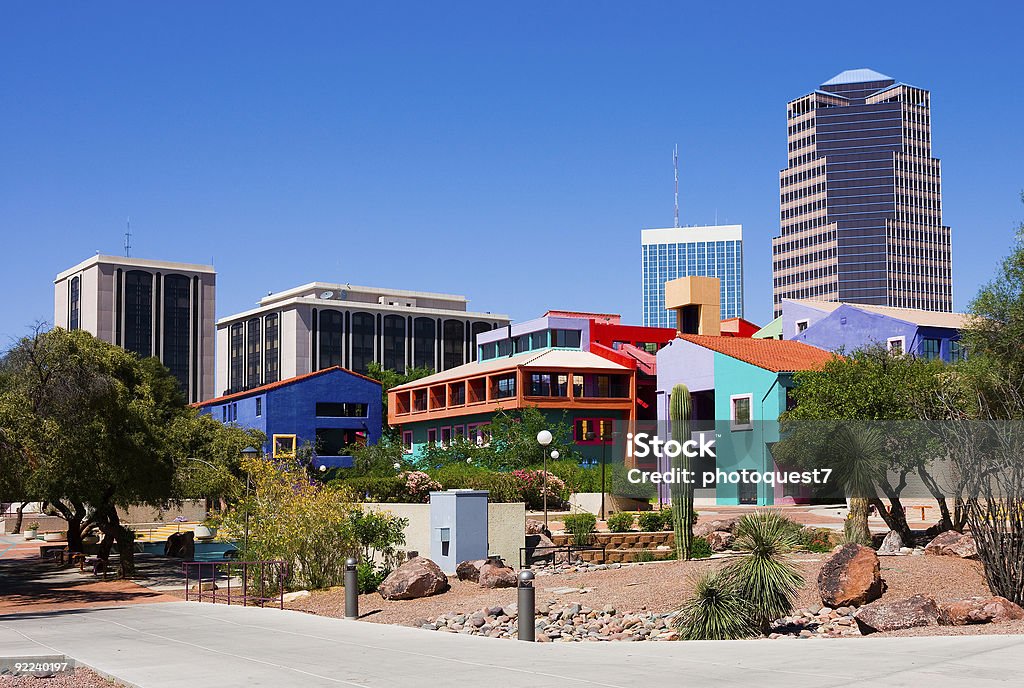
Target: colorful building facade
<point>329,410</point>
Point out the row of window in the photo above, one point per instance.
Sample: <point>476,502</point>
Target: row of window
<point>558,338</point>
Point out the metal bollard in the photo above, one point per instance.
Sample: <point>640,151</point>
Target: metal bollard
<point>351,589</point>
<point>527,609</point>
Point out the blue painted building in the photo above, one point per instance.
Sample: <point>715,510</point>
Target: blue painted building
<point>329,409</point>
<point>739,388</point>
<point>848,327</point>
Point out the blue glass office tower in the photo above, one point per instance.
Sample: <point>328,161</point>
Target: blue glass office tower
<point>861,198</point>
<point>691,251</point>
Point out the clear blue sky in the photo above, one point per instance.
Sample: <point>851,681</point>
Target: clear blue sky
<point>511,155</point>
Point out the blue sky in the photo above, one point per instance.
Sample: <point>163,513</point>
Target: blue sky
<point>511,154</point>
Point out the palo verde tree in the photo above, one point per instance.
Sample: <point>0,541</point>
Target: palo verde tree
<point>87,425</point>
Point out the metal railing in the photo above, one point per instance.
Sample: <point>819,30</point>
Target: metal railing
<point>261,581</point>
<point>533,555</point>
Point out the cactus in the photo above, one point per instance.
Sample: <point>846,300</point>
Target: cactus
<point>679,410</point>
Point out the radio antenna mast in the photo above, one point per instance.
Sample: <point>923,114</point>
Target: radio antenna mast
<point>128,239</point>
<point>675,167</point>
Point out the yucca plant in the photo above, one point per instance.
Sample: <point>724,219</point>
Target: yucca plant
<point>765,577</point>
<point>716,611</point>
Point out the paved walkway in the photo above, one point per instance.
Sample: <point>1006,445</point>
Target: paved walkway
<point>168,645</point>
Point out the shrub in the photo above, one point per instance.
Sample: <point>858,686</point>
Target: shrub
<point>651,521</point>
<point>577,478</point>
<point>644,556</point>
<point>620,522</point>
<point>419,485</point>
<point>766,577</point>
<point>531,486</point>
<point>370,576</point>
<point>815,539</point>
<point>581,528</point>
<point>386,489</point>
<point>716,611</point>
<point>699,548</point>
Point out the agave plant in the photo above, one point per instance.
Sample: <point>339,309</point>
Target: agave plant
<point>716,611</point>
<point>765,577</point>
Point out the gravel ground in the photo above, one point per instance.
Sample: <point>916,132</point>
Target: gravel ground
<point>81,678</point>
<point>661,586</point>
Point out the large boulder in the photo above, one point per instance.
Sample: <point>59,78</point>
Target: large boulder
<point>705,528</point>
<point>720,540</point>
<point>534,527</point>
<point>978,610</point>
<point>891,544</point>
<point>494,574</point>
<point>419,577</point>
<point>884,615</point>
<point>953,544</point>
<point>470,570</point>
<point>850,577</point>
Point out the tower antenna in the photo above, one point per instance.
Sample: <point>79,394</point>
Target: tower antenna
<point>128,239</point>
<point>675,167</point>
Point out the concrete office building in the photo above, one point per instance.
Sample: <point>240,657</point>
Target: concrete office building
<point>321,325</point>
<point>668,254</point>
<point>861,198</point>
<point>150,307</point>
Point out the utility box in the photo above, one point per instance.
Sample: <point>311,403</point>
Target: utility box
<point>458,527</point>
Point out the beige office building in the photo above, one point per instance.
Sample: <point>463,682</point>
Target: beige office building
<point>150,307</point>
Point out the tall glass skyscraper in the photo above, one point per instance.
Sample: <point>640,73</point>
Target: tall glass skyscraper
<point>675,252</point>
<point>861,198</point>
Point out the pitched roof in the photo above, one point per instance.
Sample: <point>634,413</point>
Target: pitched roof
<point>543,358</point>
<point>280,383</point>
<point>856,76</point>
<point>914,316</point>
<point>778,356</point>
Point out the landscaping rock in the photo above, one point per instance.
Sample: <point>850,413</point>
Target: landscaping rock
<point>494,574</point>
<point>534,527</point>
<point>538,547</point>
<point>883,615</point>
<point>978,610</point>
<point>205,586</point>
<point>953,544</point>
<point>705,528</point>
<point>892,544</point>
<point>297,595</point>
<point>419,577</point>
<point>720,540</point>
<point>851,576</point>
<point>470,570</point>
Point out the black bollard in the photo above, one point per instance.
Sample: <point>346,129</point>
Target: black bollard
<point>527,610</point>
<point>351,590</point>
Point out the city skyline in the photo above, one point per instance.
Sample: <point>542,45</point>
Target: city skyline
<point>229,155</point>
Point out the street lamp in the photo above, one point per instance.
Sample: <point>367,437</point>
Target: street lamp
<point>544,439</point>
<point>249,452</point>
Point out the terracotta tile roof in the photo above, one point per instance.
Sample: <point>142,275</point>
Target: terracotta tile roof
<point>771,354</point>
<point>280,383</point>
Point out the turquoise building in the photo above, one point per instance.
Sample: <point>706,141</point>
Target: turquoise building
<point>739,389</point>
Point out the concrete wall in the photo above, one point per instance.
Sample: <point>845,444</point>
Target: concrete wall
<point>506,528</point>
<point>192,510</point>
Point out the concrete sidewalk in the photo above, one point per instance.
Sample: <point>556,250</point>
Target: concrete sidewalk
<point>187,644</point>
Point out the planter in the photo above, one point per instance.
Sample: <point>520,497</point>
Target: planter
<point>30,534</point>
<point>204,532</point>
<point>54,537</point>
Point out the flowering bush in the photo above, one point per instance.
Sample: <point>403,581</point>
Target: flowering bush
<point>419,485</point>
<point>530,485</point>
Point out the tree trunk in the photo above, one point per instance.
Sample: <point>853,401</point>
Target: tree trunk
<point>858,521</point>
<point>109,522</point>
<point>21,515</point>
<point>74,515</point>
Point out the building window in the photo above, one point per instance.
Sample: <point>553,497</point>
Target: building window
<point>446,436</point>
<point>505,387</point>
<point>407,442</point>
<point>539,340</point>
<point>930,348</point>
<point>740,416</point>
<point>363,333</point>
<point>460,432</point>
<point>424,338</point>
<point>254,337</point>
<point>477,329</point>
<point>237,367</point>
<point>566,339</point>
<point>394,343</point>
<point>74,306</point>
<point>284,446</point>
<point>224,414</point>
<point>897,346</point>
<point>432,437</point>
<point>453,344</point>
<point>479,435</point>
<point>332,441</point>
<point>801,325</point>
<point>138,312</point>
<point>956,351</point>
<point>504,348</point>
<point>332,326</point>
<point>593,430</point>
<point>488,351</point>
<point>457,394</point>
<point>577,386</point>
<point>540,384</point>
<point>176,337</point>
<point>259,406</point>
<point>331,409</point>
<point>419,400</point>
<point>271,349</point>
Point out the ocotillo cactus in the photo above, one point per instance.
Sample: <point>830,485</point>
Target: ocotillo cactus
<point>679,410</point>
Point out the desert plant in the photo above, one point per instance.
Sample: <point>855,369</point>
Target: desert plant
<point>815,539</point>
<point>621,522</point>
<point>34,525</point>
<point>651,521</point>
<point>680,408</point>
<point>853,531</point>
<point>700,548</point>
<point>765,577</point>
<point>643,556</point>
<point>581,527</point>
<point>717,610</point>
